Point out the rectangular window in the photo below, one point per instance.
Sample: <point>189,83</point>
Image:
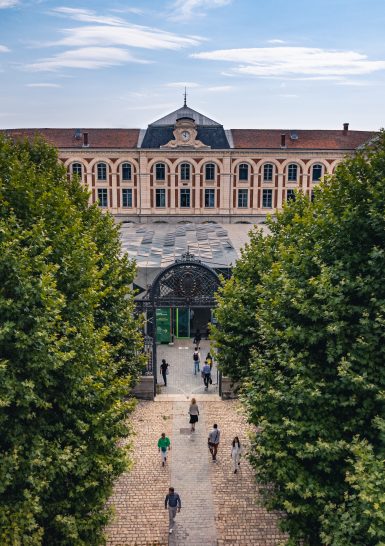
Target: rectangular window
<point>127,197</point>
<point>243,197</point>
<point>210,198</point>
<point>102,171</point>
<point>268,172</point>
<point>77,169</point>
<point>290,196</point>
<point>292,172</point>
<point>160,198</point>
<point>243,171</point>
<point>185,198</point>
<point>317,173</point>
<point>126,171</point>
<point>185,171</point>
<point>103,197</point>
<point>267,199</point>
<point>210,171</point>
<point>160,171</point>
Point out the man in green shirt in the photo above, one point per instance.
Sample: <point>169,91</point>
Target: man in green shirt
<point>163,446</point>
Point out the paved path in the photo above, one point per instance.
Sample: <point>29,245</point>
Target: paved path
<point>219,507</point>
<point>181,378</point>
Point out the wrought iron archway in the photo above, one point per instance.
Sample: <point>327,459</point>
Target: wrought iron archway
<point>186,283</point>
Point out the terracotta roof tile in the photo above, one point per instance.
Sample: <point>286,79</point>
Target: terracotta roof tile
<point>97,138</point>
<point>307,139</point>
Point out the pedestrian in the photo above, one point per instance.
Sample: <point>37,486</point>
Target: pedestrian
<point>164,445</point>
<point>164,371</point>
<point>194,412</point>
<point>174,505</point>
<point>206,374</point>
<point>213,441</point>
<point>197,338</point>
<point>236,451</point>
<point>196,360</point>
<point>209,360</point>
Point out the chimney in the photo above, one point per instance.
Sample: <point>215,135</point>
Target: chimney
<point>283,140</point>
<point>85,140</point>
<point>346,128</point>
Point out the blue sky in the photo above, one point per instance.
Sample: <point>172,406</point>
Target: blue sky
<point>246,63</point>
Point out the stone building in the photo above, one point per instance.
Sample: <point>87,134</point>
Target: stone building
<point>185,167</point>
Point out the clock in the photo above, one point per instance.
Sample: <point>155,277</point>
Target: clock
<point>185,135</point>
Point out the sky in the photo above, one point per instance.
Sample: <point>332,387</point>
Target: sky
<point>285,64</point>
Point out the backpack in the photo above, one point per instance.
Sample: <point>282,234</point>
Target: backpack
<point>195,356</point>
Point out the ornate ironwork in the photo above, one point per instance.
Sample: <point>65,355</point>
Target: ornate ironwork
<point>186,283</point>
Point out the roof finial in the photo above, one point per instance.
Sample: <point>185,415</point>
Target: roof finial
<point>185,97</point>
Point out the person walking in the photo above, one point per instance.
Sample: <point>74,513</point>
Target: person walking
<point>174,505</point>
<point>236,451</point>
<point>213,441</point>
<point>206,374</point>
<point>209,360</point>
<point>197,338</point>
<point>194,413</point>
<point>196,360</point>
<point>164,371</point>
<point>164,445</point>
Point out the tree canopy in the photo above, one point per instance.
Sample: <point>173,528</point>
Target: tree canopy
<point>302,326</point>
<point>69,346</point>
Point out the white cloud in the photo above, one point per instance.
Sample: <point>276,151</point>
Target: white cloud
<point>42,85</point>
<point>186,9</point>
<point>111,31</point>
<point>87,57</point>
<point>181,85</point>
<point>276,41</point>
<point>8,3</point>
<point>294,61</point>
<point>4,49</point>
<point>219,88</point>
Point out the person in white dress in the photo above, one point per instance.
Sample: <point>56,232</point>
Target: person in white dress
<point>236,451</point>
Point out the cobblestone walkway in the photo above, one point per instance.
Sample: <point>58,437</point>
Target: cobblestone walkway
<point>218,507</point>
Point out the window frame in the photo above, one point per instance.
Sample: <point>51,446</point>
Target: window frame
<point>242,167</point>
<point>209,192</point>
<point>160,192</point>
<point>128,193</point>
<point>265,194</point>
<point>102,193</point>
<point>290,195</point>
<point>265,166</point>
<point>186,192</point>
<point>312,172</point>
<point>289,176</point>
<point>98,171</point>
<point>211,166</point>
<point>158,166</point>
<point>123,166</point>
<point>73,173</point>
<point>242,192</point>
<point>183,167</point>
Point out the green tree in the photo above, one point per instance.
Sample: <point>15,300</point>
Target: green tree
<point>69,345</point>
<point>314,381</point>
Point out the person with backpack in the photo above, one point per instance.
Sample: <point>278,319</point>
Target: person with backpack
<point>196,360</point>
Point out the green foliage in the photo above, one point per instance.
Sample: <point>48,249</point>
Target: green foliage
<point>69,347</point>
<point>312,364</point>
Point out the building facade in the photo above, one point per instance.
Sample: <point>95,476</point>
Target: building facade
<point>187,167</point>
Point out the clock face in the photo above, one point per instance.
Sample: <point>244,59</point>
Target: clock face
<point>185,135</point>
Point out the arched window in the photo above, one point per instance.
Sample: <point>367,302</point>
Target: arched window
<point>160,171</point>
<point>243,171</point>
<point>126,171</point>
<point>268,170</point>
<point>292,172</point>
<point>316,172</point>
<point>185,171</point>
<point>102,171</point>
<point>77,169</point>
<point>210,171</point>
